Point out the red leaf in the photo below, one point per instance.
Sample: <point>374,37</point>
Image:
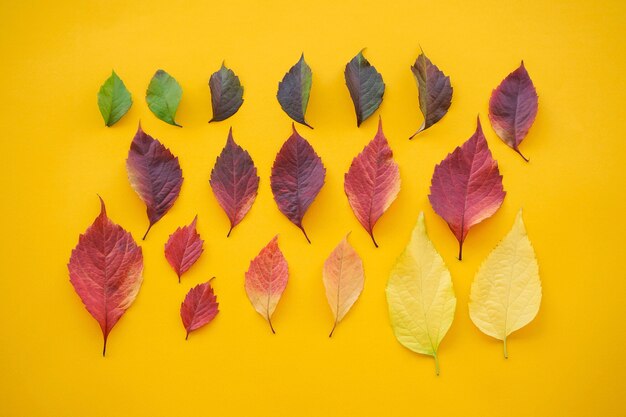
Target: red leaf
<point>105,270</point>
<point>372,182</point>
<point>466,187</point>
<point>199,308</point>
<point>297,177</point>
<point>183,248</point>
<point>154,174</point>
<point>513,108</point>
<point>234,181</point>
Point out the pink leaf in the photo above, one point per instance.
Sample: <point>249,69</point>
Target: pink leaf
<point>183,248</point>
<point>199,308</point>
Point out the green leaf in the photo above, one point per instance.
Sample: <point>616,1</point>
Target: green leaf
<point>366,87</point>
<point>114,99</point>
<point>163,96</point>
<point>226,94</point>
<point>294,90</point>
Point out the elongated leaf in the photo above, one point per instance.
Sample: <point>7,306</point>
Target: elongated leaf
<point>199,308</point>
<point>435,92</point>
<point>163,96</point>
<point>513,108</point>
<point>266,279</point>
<point>154,174</point>
<point>114,99</point>
<point>420,295</point>
<point>234,181</point>
<point>183,248</point>
<point>294,90</point>
<point>105,270</point>
<point>366,87</point>
<point>343,278</point>
<point>372,182</point>
<point>506,292</point>
<point>466,187</point>
<point>226,94</point>
<point>297,177</point>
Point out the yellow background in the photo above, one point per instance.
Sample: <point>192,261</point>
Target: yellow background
<point>57,156</point>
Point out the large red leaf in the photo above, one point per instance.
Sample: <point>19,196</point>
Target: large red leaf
<point>372,182</point>
<point>513,108</point>
<point>183,248</point>
<point>105,270</point>
<point>234,181</point>
<point>154,174</point>
<point>199,308</point>
<point>297,177</point>
<point>466,187</point>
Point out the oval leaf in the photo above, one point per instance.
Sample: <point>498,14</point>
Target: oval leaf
<point>199,308</point>
<point>466,187</point>
<point>513,108</point>
<point>420,295</point>
<point>114,99</point>
<point>366,87</point>
<point>372,182</point>
<point>297,177</point>
<point>234,181</point>
<point>506,292</point>
<point>435,92</point>
<point>226,94</point>
<point>266,279</point>
<point>343,278</point>
<point>294,90</point>
<point>154,174</point>
<point>163,96</point>
<point>183,248</point>
<point>105,270</point>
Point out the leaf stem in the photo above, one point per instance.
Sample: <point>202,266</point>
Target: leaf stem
<point>506,353</point>
<point>460,251</point>
<point>436,363</point>
<point>520,154</point>
<point>146,234</point>
<point>230,230</point>
<point>333,329</point>
<point>104,348</point>
<point>269,320</point>
<point>187,336</point>
<point>373,240</point>
<point>305,235</point>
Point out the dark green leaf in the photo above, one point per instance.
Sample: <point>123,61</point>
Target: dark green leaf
<point>294,90</point>
<point>366,87</point>
<point>163,96</point>
<point>113,99</point>
<point>226,94</point>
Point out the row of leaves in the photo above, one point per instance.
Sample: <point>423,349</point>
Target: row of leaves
<point>512,108</point>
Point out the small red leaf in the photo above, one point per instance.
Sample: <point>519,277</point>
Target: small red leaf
<point>297,177</point>
<point>513,108</point>
<point>105,270</point>
<point>234,181</point>
<point>372,182</point>
<point>183,248</point>
<point>466,187</point>
<point>199,308</point>
<point>154,174</point>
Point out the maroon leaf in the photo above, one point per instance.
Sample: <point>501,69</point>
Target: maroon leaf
<point>234,181</point>
<point>297,177</point>
<point>154,174</point>
<point>199,308</point>
<point>183,248</point>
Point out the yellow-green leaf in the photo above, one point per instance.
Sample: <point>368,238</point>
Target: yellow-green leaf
<point>420,295</point>
<point>506,291</point>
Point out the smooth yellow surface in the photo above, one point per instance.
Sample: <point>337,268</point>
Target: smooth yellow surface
<point>57,154</point>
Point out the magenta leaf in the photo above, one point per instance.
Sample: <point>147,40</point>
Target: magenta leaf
<point>199,308</point>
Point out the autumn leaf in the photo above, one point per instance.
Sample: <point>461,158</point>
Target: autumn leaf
<point>226,94</point>
<point>234,181</point>
<point>506,292</point>
<point>373,182</point>
<point>513,108</point>
<point>466,187</point>
<point>343,278</point>
<point>154,174</point>
<point>114,100</point>
<point>435,92</point>
<point>163,96</point>
<point>297,177</point>
<point>183,248</point>
<point>266,279</point>
<point>199,308</point>
<point>365,85</point>
<point>294,90</point>
<point>105,269</point>
<point>420,295</point>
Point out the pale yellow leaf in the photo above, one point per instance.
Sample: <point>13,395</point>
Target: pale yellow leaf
<point>506,291</point>
<point>343,278</point>
<point>420,295</point>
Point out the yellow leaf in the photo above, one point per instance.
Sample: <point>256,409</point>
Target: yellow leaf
<point>506,291</point>
<point>343,278</point>
<point>420,295</point>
